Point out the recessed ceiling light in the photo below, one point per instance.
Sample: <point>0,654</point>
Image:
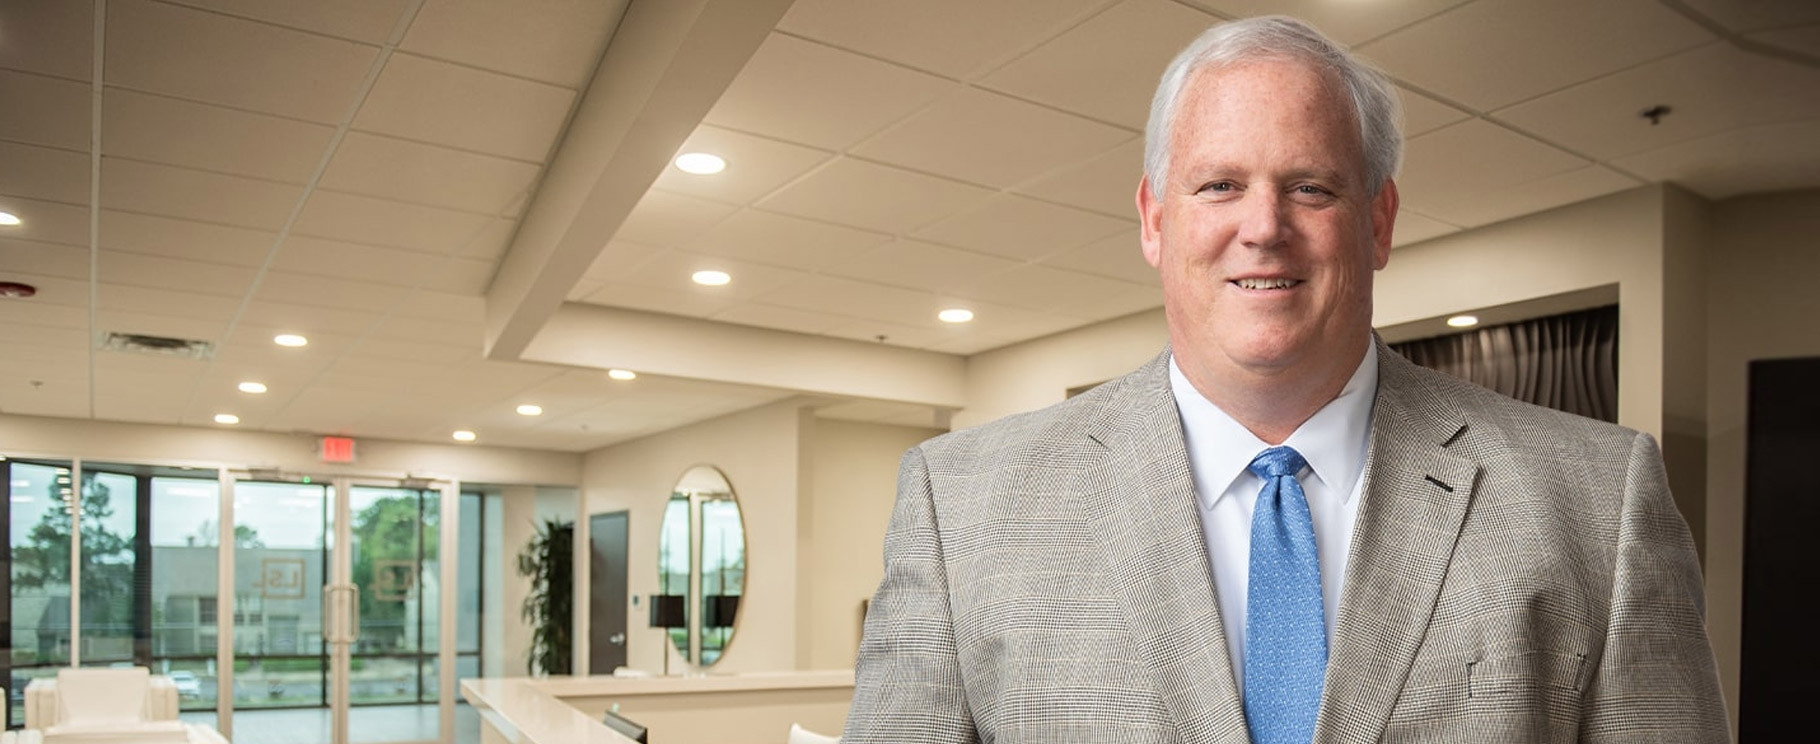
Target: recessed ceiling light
<point>1463,321</point>
<point>8,218</point>
<point>226,418</point>
<point>290,339</point>
<point>252,387</point>
<point>464,436</point>
<point>711,278</point>
<point>622,374</point>
<point>700,163</point>
<point>955,315</point>
<point>530,409</point>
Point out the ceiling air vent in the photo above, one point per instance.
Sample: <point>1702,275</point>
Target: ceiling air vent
<point>140,343</point>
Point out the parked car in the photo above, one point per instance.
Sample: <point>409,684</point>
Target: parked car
<point>187,686</point>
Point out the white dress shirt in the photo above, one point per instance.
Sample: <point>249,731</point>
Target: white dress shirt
<point>1334,441</point>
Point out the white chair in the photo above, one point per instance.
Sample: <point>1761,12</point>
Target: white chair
<point>800,735</point>
<point>110,706</point>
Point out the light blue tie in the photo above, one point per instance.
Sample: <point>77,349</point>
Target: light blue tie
<point>1285,628</point>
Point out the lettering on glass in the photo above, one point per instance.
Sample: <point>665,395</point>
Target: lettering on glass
<point>281,578</point>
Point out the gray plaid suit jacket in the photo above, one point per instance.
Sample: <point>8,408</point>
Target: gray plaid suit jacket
<point>1516,575</point>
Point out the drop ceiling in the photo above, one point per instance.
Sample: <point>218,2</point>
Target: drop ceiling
<point>395,180</point>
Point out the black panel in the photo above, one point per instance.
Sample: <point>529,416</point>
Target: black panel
<point>1782,517</point>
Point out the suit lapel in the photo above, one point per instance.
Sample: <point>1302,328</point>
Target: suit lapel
<point>1141,502</point>
<point>1415,497</point>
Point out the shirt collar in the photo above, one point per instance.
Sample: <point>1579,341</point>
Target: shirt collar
<point>1334,440</point>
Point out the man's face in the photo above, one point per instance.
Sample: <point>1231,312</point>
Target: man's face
<point>1266,235</point>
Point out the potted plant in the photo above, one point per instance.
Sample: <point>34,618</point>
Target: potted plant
<point>548,560</point>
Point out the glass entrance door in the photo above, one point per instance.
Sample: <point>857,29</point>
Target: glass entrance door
<point>338,610</point>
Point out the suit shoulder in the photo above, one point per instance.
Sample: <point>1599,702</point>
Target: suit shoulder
<point>1515,425</point>
<point>1059,426</point>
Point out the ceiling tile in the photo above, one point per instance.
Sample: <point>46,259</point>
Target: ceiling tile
<point>1422,114</point>
<point>913,264</point>
<point>857,299</point>
<point>445,331</point>
<point>1052,290</point>
<point>368,21</point>
<point>1106,68</point>
<point>58,116</point>
<point>956,38</point>
<point>755,166</point>
<point>43,259</point>
<point>1118,256</point>
<point>16,336</point>
<point>345,294</point>
<point>58,38</point>
<point>1023,229</point>
<point>48,365</point>
<point>44,173</point>
<point>671,270</point>
<point>783,241</point>
<point>817,95</point>
<point>893,334</point>
<point>136,186</point>
<point>43,221</point>
<point>1775,157</point>
<point>47,314</point>
<point>416,173</point>
<point>141,270</point>
<point>778,318</point>
<point>986,138</point>
<point>186,239</point>
<point>442,306</point>
<point>1805,40</point>
<point>667,219</point>
<point>1493,53</point>
<point>1413,227</point>
<point>464,108</point>
<point>560,43</point>
<point>620,258</point>
<point>580,291</point>
<point>392,348</point>
<point>232,62</point>
<point>650,299</point>
<point>460,276</point>
<point>67,398</point>
<point>310,320</point>
<point>362,219</point>
<point>872,196</point>
<point>194,135</point>
<point>1712,89</point>
<point>165,302</point>
<point>52,290</point>
<point>1347,22</point>
<point>1754,15</point>
<point>144,397</point>
<point>1473,159</point>
<point>331,258</point>
<point>1484,208</point>
<point>1106,184</point>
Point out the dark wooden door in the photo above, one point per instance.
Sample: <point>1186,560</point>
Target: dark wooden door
<point>607,592</point>
<point>1781,518</point>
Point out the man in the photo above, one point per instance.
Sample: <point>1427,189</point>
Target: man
<point>1278,530</point>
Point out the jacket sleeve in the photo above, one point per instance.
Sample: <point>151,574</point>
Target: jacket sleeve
<point>1656,681</point>
<point>908,682</point>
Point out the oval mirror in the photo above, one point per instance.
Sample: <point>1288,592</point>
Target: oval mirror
<point>701,564</point>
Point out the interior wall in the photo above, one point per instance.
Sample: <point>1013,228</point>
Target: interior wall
<point>854,484</point>
<point>758,451</point>
<point>1763,263</point>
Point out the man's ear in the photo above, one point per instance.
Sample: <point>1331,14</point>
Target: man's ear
<point>1383,222</point>
<point>1150,221</point>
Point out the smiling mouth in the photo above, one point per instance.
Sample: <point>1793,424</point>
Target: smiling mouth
<point>1266,283</point>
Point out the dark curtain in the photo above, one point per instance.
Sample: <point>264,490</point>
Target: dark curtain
<point>1567,362</point>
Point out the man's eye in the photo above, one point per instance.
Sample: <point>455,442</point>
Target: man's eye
<point>1310,189</point>
<point>1219,187</point>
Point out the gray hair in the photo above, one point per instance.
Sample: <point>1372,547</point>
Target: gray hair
<point>1374,100</point>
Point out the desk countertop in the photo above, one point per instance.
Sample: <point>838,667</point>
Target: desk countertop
<point>532,710</point>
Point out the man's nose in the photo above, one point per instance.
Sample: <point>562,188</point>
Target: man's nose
<point>1262,219</point>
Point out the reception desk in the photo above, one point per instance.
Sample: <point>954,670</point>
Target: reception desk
<point>754,708</point>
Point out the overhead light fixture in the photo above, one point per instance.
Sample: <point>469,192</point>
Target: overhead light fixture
<point>252,387</point>
<point>622,374</point>
<point>711,278</point>
<point>530,409</point>
<point>290,339</point>
<point>1463,321</point>
<point>226,418</point>
<point>955,315</point>
<point>700,163</point>
<point>9,219</point>
<point>464,436</point>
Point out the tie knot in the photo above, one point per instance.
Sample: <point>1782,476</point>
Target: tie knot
<point>1277,462</point>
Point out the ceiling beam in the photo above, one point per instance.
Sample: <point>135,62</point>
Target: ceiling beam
<point>666,65</point>
<point>651,343</point>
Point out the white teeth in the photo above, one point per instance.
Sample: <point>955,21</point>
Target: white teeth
<point>1266,283</point>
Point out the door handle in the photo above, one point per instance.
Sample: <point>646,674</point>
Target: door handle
<point>617,639</point>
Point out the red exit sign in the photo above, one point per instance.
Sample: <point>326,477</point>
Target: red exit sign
<point>337,449</point>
